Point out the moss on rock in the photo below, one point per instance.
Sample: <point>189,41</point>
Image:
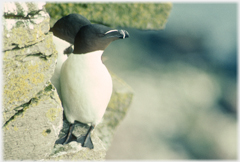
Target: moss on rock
<point>135,15</point>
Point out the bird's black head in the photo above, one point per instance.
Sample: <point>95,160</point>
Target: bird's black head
<point>67,27</point>
<point>95,37</point>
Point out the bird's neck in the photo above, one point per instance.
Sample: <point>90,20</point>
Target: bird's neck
<point>89,58</point>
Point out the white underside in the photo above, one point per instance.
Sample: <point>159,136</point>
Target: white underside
<point>61,45</point>
<point>86,87</point>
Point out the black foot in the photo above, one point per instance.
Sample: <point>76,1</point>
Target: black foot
<point>69,137</point>
<point>86,140</point>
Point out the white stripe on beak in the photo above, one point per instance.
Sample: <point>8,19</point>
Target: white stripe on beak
<point>110,31</point>
<point>123,34</point>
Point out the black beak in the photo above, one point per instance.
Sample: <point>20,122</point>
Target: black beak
<point>124,34</point>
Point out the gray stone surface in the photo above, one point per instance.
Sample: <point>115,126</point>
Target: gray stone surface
<point>26,71</point>
<point>22,9</point>
<point>31,133</point>
<point>29,54</point>
<point>32,112</point>
<point>20,32</point>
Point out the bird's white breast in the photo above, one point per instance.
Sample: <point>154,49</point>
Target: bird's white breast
<point>60,45</point>
<point>86,87</point>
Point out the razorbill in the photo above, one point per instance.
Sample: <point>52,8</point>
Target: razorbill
<point>86,84</point>
<point>64,32</point>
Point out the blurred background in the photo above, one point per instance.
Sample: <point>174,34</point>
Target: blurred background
<point>185,86</point>
<point>184,80</point>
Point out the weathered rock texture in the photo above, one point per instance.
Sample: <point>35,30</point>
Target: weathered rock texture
<point>31,133</point>
<point>32,115</point>
<point>32,111</point>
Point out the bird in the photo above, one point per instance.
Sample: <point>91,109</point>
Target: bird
<point>64,32</point>
<point>86,84</point>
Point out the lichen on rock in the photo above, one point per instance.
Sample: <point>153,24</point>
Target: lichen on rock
<point>19,33</point>
<point>25,72</point>
<point>28,64</point>
<point>30,134</point>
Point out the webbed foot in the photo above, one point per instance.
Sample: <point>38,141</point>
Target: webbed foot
<point>86,140</point>
<point>69,137</point>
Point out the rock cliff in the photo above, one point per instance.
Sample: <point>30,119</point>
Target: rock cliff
<point>32,112</point>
